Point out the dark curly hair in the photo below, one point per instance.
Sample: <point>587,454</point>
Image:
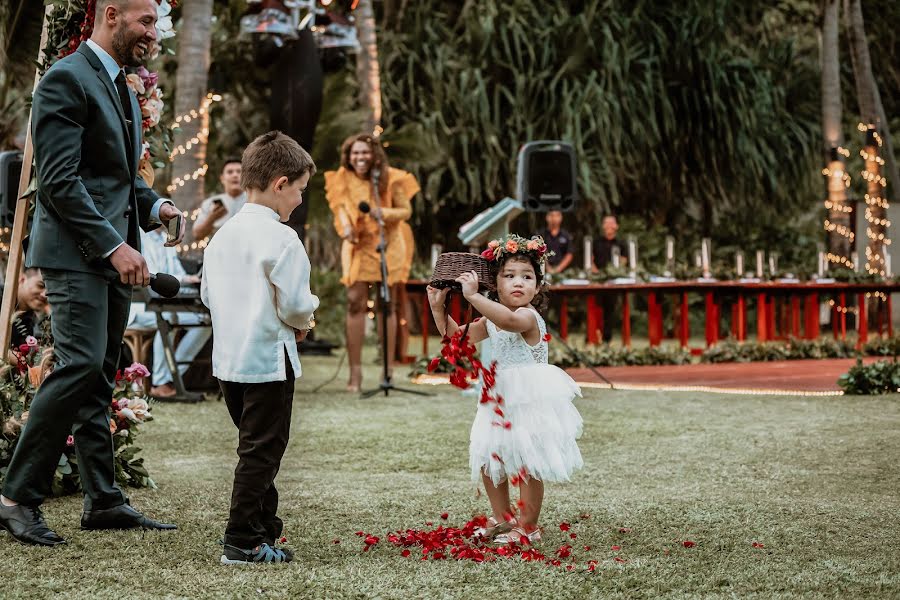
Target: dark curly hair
<point>379,157</point>
<point>542,298</point>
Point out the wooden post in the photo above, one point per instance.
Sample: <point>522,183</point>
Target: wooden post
<point>591,319</point>
<point>564,318</point>
<point>654,319</point>
<point>684,330</point>
<point>761,318</point>
<point>811,314</point>
<point>626,321</point>
<point>20,220</point>
<point>862,321</point>
<point>741,320</point>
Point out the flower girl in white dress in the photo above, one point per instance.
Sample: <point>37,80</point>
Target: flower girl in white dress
<point>526,425</point>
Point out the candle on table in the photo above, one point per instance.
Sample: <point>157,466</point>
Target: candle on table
<point>588,259</point>
<point>704,256</point>
<point>614,256</point>
<point>759,263</point>
<point>632,255</point>
<point>821,270</point>
<point>436,250</point>
<point>739,264</point>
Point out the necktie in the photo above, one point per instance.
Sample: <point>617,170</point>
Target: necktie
<point>124,98</point>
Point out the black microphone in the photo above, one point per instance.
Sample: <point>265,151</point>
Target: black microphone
<point>364,207</point>
<point>164,284</point>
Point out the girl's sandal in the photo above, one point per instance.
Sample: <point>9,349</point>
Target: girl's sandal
<point>517,535</point>
<point>493,527</point>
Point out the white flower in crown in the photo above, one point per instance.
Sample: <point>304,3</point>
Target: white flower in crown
<point>164,27</point>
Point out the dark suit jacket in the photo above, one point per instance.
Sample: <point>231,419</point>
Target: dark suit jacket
<point>89,195</point>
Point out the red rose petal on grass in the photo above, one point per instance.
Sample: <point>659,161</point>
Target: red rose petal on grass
<point>573,535</point>
<point>429,523</point>
<point>564,526</point>
<point>617,548</point>
<point>564,551</point>
<point>360,533</point>
<point>624,529</point>
<point>569,567</point>
<point>405,553</point>
<point>688,544</point>
<point>619,559</point>
<point>445,515</point>
<point>591,564</point>
<point>758,545</point>
<point>283,540</point>
<point>335,541</point>
<point>587,548</point>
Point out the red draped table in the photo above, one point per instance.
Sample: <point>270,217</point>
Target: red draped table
<point>783,309</point>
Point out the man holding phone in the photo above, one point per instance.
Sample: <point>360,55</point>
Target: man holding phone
<point>216,210</point>
<point>90,205</point>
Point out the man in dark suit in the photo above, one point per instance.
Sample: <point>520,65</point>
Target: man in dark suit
<point>90,203</point>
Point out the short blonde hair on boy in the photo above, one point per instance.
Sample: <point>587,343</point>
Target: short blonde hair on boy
<point>273,155</point>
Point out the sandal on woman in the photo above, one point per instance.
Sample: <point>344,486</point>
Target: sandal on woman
<point>517,535</point>
<point>493,527</point>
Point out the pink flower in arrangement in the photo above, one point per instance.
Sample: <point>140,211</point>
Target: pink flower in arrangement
<point>31,341</point>
<point>532,245</point>
<point>512,246</point>
<point>488,254</point>
<point>136,371</point>
<point>70,441</point>
<point>148,78</point>
<point>493,244</point>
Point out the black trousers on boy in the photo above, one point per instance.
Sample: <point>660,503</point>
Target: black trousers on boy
<point>262,413</point>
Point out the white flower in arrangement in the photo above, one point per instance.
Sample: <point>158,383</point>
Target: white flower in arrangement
<point>164,27</point>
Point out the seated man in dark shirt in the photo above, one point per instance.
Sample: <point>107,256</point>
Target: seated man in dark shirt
<point>559,241</point>
<point>604,250</point>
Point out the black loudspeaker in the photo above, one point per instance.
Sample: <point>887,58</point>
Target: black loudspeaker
<point>10,170</point>
<point>545,177</point>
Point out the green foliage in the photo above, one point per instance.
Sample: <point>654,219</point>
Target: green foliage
<point>675,117</point>
<point>882,377</point>
<point>607,356</point>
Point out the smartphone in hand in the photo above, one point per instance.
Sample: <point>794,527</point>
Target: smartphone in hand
<point>175,228</point>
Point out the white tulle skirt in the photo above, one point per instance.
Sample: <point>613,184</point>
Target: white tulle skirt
<point>544,424</point>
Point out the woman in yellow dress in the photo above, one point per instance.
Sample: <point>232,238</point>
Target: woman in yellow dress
<point>345,188</point>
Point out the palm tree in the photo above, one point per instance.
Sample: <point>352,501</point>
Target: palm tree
<point>367,71</point>
<point>20,34</point>
<point>838,222</point>
<point>872,113</point>
<point>191,94</point>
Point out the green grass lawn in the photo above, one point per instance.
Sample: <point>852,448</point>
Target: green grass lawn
<point>815,480</point>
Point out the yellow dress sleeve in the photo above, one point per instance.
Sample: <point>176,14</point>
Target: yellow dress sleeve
<point>402,187</point>
<point>336,192</point>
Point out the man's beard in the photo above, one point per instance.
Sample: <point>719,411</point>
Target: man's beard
<point>124,49</point>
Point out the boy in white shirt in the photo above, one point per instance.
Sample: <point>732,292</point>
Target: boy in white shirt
<point>256,285</point>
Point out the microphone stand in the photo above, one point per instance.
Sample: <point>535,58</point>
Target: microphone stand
<point>385,293</point>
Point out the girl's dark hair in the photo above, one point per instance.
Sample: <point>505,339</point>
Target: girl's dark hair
<point>542,298</point>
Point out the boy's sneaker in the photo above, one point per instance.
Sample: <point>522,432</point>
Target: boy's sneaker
<point>263,553</point>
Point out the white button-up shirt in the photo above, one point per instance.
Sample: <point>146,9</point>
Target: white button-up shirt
<point>256,284</point>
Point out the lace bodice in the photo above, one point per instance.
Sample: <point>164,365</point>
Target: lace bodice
<point>511,350</point>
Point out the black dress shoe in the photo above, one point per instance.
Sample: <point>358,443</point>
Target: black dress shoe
<point>27,525</point>
<point>120,517</point>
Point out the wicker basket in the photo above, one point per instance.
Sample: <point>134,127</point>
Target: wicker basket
<point>451,265</point>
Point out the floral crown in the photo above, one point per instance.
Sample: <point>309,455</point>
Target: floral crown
<point>534,248</point>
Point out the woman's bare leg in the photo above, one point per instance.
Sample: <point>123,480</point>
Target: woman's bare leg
<point>357,297</point>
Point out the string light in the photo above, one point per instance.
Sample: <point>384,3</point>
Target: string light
<point>201,137</point>
<point>876,205</point>
<point>838,180</point>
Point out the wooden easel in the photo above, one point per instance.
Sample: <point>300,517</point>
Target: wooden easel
<point>20,220</point>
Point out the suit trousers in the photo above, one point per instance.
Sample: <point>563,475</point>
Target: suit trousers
<point>88,321</point>
<point>262,413</point>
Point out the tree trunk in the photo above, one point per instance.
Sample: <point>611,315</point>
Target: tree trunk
<point>189,167</point>
<point>367,72</point>
<point>837,224</point>
<point>876,152</point>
